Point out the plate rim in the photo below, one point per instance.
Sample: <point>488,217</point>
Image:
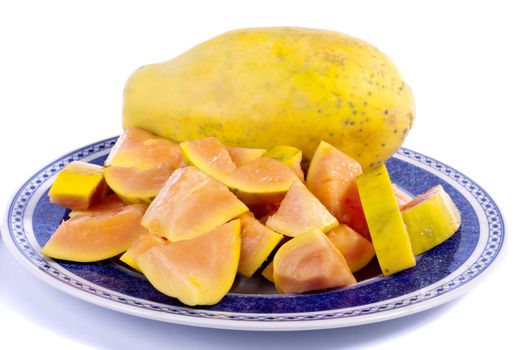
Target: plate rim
<point>275,323</point>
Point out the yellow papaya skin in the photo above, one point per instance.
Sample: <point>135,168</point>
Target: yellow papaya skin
<point>389,235</point>
<point>264,87</point>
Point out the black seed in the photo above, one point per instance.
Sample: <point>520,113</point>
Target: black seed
<point>395,131</point>
<point>386,111</point>
<point>383,145</point>
<point>365,103</point>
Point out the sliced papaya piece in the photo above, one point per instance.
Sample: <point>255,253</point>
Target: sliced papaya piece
<point>332,178</point>
<point>431,218</point>
<point>140,149</point>
<point>198,271</point>
<point>189,204</point>
<point>110,204</point>
<point>134,185</point>
<point>262,180</point>
<point>139,163</point>
<point>87,238</point>
<point>310,262</point>
<point>299,212</point>
<point>290,156</point>
<point>357,250</point>
<point>143,243</point>
<point>257,242</point>
<point>267,272</point>
<point>388,232</point>
<point>402,197</point>
<point>242,155</point>
<point>78,185</point>
<point>211,157</point>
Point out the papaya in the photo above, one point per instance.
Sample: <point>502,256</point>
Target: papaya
<point>267,272</point>
<point>357,250</point>
<point>139,164</point>
<point>198,271</point>
<point>243,155</point>
<point>264,87</point>
<point>94,237</point>
<point>259,181</point>
<point>142,243</point>
<point>387,229</point>
<point>402,197</point>
<point>431,218</point>
<point>290,156</point>
<point>299,212</point>
<point>190,204</point>
<point>257,242</point>
<point>142,150</point>
<point>310,262</point>
<point>110,204</point>
<point>332,179</point>
<point>78,186</point>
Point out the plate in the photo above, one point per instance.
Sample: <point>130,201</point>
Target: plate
<point>440,274</point>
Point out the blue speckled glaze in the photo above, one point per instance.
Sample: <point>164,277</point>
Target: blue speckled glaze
<point>430,278</point>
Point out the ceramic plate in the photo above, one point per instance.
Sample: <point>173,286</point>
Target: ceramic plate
<point>439,275</point>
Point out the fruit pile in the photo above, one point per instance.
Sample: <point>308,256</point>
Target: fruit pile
<point>191,216</point>
<point>208,179</point>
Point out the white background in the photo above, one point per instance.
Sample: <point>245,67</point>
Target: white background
<point>63,66</point>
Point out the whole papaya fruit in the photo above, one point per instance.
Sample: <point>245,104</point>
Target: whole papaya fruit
<point>264,87</point>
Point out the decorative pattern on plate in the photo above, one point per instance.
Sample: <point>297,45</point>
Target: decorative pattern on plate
<point>440,274</point>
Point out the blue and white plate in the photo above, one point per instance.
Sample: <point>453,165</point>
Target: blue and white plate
<point>440,275</point>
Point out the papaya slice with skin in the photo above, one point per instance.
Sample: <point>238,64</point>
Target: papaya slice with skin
<point>299,212</point>
<point>134,185</point>
<point>78,186</point>
<point>139,164</point>
<point>262,180</point>
<point>142,244</point>
<point>357,250</point>
<point>257,243</point>
<point>267,272</point>
<point>143,150</point>
<point>387,229</point>
<point>332,178</point>
<point>289,156</point>
<point>88,238</point>
<point>242,155</point>
<point>110,204</point>
<point>310,262</point>
<point>198,271</point>
<point>431,218</point>
<point>190,204</point>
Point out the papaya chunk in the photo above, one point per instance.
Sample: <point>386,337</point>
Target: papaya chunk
<point>299,212</point>
<point>357,250</point>
<point>87,238</point>
<point>242,155</point>
<point>139,246</point>
<point>261,180</point>
<point>189,204</point>
<point>198,271</point>
<point>310,262</point>
<point>431,218</point>
<point>332,177</point>
<point>289,156</point>
<point>257,242</point>
<point>78,185</point>
<point>139,164</point>
<point>388,232</point>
